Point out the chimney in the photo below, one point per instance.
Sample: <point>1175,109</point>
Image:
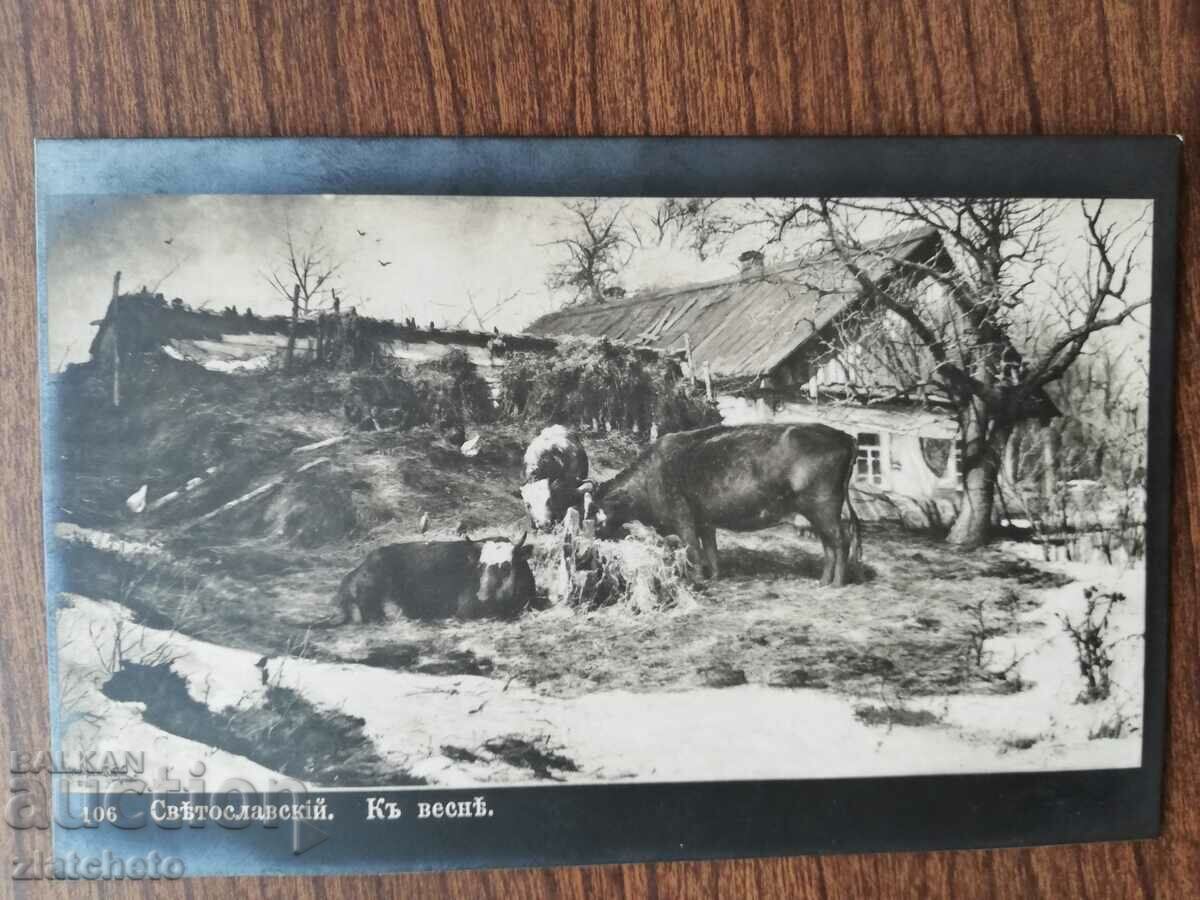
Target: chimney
<point>751,262</point>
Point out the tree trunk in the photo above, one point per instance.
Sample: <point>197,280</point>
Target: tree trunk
<point>291,343</point>
<point>1050,445</point>
<point>983,457</point>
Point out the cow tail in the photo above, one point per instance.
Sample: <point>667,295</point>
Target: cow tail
<point>855,549</point>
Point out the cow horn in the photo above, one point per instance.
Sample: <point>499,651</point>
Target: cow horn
<point>520,542</point>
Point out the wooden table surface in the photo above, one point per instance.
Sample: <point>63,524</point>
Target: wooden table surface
<point>101,68</point>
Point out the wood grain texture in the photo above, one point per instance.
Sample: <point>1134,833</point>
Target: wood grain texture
<point>101,68</point>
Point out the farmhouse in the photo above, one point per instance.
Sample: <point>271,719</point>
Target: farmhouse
<point>144,322</point>
<point>762,341</point>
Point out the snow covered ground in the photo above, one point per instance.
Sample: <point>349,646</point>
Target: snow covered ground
<point>438,727</point>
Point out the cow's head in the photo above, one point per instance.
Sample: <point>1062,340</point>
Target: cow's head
<point>547,500</point>
<point>506,584</point>
<point>592,507</point>
<point>555,463</point>
<point>536,495</point>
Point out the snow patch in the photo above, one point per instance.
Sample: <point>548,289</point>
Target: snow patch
<point>91,635</point>
<point>102,540</point>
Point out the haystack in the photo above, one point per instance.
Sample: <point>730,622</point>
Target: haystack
<point>641,573</point>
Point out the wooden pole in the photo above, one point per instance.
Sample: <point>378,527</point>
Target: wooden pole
<point>708,391</point>
<point>687,347</point>
<point>116,339</point>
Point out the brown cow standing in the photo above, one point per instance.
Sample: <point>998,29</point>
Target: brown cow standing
<point>738,477</point>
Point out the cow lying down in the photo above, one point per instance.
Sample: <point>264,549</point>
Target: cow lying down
<point>439,579</point>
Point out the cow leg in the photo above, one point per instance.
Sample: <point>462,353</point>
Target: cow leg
<point>827,523</point>
<point>691,541</point>
<point>817,528</point>
<point>708,542</point>
<point>839,560</point>
<point>827,560</point>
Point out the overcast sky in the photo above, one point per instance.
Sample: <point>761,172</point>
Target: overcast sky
<point>441,251</point>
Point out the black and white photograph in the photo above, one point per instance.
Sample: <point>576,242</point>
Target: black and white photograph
<point>403,491</point>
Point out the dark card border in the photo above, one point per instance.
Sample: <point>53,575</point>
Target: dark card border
<point>591,824</point>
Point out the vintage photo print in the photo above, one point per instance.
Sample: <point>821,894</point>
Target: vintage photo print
<point>398,492</point>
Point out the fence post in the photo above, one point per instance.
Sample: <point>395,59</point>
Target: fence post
<point>116,338</point>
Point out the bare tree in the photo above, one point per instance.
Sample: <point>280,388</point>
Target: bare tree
<point>302,276</point>
<point>988,320</point>
<point>705,223</point>
<point>596,247</point>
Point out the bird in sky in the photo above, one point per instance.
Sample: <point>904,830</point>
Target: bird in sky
<point>169,241</point>
<point>385,264</point>
<point>361,233</point>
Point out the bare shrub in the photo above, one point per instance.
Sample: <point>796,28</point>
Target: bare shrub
<point>894,715</point>
<point>1118,725</point>
<point>892,708</point>
<point>126,644</point>
<point>1090,636</point>
<point>978,633</point>
<point>1019,743</point>
<point>604,384</point>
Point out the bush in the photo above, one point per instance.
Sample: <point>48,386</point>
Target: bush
<point>452,390</point>
<point>1093,646</point>
<point>602,384</point>
<point>447,392</point>
<point>384,399</point>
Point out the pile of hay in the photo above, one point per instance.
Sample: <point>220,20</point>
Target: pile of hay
<point>448,392</point>
<point>641,573</point>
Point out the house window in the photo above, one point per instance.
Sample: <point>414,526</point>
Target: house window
<point>870,459</point>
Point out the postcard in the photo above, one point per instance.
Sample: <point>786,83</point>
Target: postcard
<point>441,503</point>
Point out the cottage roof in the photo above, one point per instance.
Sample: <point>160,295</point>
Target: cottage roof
<point>746,325</point>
